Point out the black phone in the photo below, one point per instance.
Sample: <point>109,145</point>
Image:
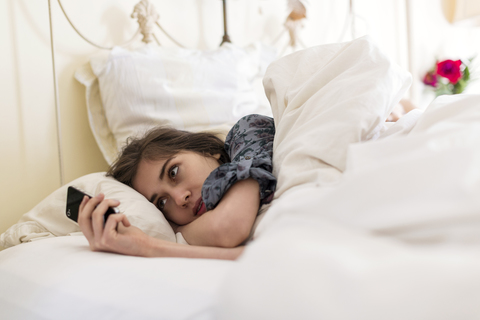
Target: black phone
<point>74,198</point>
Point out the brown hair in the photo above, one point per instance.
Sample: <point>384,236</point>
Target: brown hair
<point>163,143</point>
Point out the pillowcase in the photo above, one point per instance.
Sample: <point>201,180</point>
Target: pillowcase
<point>48,218</point>
<point>129,92</point>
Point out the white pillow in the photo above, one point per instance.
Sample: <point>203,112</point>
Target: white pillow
<point>48,219</point>
<point>129,92</point>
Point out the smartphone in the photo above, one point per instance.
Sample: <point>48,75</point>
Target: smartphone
<point>74,198</point>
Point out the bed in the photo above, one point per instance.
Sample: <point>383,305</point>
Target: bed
<point>370,220</point>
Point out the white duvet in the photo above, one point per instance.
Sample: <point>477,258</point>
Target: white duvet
<point>371,222</point>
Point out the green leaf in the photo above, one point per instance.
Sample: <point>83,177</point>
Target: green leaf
<point>459,86</point>
<point>466,74</point>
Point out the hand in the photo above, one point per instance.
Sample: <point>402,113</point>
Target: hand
<point>117,235</point>
<point>230,223</point>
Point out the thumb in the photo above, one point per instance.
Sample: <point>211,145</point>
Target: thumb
<point>125,221</point>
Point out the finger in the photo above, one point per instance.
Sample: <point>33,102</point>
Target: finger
<point>98,219</point>
<point>113,222</point>
<point>121,228</point>
<point>98,216</point>
<point>106,204</point>
<point>81,210</point>
<point>113,227</point>
<point>121,220</point>
<point>82,204</point>
<point>91,204</point>
<point>125,221</point>
<point>84,219</point>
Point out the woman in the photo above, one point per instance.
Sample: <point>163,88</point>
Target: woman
<point>207,190</point>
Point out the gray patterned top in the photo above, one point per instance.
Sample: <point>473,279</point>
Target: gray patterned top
<point>249,145</point>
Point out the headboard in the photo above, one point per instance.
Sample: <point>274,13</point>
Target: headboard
<point>145,13</point>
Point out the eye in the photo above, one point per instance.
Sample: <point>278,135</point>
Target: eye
<point>161,204</point>
<point>172,173</point>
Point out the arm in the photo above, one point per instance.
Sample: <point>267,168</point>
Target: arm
<point>233,202</point>
<point>120,237</point>
<point>230,223</point>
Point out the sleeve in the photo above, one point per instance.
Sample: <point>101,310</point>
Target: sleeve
<point>249,145</point>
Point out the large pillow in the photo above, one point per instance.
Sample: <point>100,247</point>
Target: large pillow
<point>129,92</point>
<point>48,219</point>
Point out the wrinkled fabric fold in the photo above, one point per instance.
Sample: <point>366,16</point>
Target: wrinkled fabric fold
<point>249,145</point>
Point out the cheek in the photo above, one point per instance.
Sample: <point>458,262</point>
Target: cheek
<point>179,218</point>
<point>207,170</point>
<point>195,181</point>
<point>172,218</point>
<point>199,183</point>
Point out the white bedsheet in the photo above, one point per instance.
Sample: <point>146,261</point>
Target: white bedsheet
<point>60,278</point>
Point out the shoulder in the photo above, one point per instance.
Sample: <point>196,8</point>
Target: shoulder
<point>250,126</point>
<point>254,121</point>
<point>250,135</point>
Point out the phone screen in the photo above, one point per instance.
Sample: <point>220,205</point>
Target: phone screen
<point>74,198</point>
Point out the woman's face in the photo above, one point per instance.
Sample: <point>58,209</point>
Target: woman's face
<point>174,185</point>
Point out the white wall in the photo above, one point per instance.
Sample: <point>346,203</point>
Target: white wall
<point>29,161</point>
<point>27,122</point>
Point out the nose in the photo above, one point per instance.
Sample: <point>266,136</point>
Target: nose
<point>181,197</point>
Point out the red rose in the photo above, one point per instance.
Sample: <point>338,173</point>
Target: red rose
<point>450,69</point>
<point>430,79</point>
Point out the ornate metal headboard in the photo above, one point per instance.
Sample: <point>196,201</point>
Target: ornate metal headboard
<point>147,17</point>
<point>226,38</point>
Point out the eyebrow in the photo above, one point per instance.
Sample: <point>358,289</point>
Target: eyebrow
<point>162,173</point>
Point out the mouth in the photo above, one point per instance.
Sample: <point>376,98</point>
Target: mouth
<point>199,208</point>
